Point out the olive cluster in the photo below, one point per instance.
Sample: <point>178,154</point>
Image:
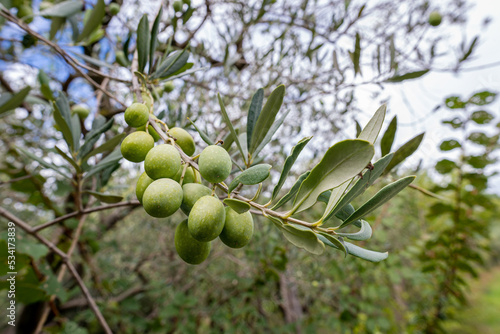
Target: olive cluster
<point>168,184</point>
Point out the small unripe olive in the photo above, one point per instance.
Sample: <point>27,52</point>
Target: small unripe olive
<point>206,219</point>
<point>192,192</point>
<point>168,87</point>
<point>80,110</point>
<point>238,229</point>
<point>162,161</point>
<point>184,140</point>
<point>162,198</point>
<point>114,8</point>
<point>191,175</point>
<point>151,131</point>
<point>136,146</point>
<point>435,18</point>
<point>137,115</point>
<point>189,249</point>
<point>177,5</point>
<point>142,183</point>
<point>214,164</point>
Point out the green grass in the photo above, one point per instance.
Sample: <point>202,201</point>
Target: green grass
<point>483,313</point>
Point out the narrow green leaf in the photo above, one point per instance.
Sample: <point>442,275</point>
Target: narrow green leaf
<point>76,131</point>
<point>143,42</point>
<point>203,135</point>
<point>469,50</point>
<point>93,61</point>
<point>372,129</point>
<point>110,160</point>
<point>356,54</point>
<point>291,193</point>
<point>55,25</point>
<point>105,198</point>
<point>331,241</point>
<point>252,175</point>
<point>365,254</point>
<point>68,159</point>
<point>276,125</point>
<point>388,137</point>
<point>290,160</point>
<point>15,100</point>
<point>154,38</point>
<point>364,233</point>
<point>42,162</point>
<point>384,194</point>
<point>359,187</point>
<point>404,152</point>
<point>64,128</point>
<point>93,136</point>
<point>237,205</point>
<point>94,20</point>
<point>107,146</point>
<point>62,9</point>
<point>407,76</point>
<point>358,129</point>
<point>171,64</point>
<point>254,112</point>
<point>266,118</point>
<point>230,126</point>
<point>303,237</point>
<point>183,72</point>
<point>341,162</point>
<point>45,85</point>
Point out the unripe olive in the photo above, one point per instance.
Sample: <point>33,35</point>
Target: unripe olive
<point>168,87</point>
<point>80,110</point>
<point>162,198</point>
<point>114,8</point>
<point>137,115</point>
<point>435,18</point>
<point>177,5</point>
<point>238,229</point>
<point>142,183</point>
<point>214,164</point>
<point>206,219</point>
<point>136,146</point>
<point>147,100</point>
<point>151,131</point>
<point>192,192</point>
<point>162,161</point>
<point>191,175</point>
<point>184,140</point>
<point>189,249</point>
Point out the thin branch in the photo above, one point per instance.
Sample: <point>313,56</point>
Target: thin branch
<point>86,211</point>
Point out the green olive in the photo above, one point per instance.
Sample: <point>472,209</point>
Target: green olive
<point>162,161</point>
<point>435,18</point>
<point>191,175</point>
<point>214,164</point>
<point>114,8</point>
<point>162,198</point>
<point>177,6</point>
<point>168,87</point>
<point>192,192</point>
<point>184,140</point>
<point>136,146</point>
<point>189,249</point>
<point>151,131</point>
<point>142,183</point>
<point>137,115</point>
<point>238,229</point>
<point>80,110</point>
<point>206,219</point>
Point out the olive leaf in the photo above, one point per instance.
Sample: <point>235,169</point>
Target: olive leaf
<point>300,236</point>
<point>237,205</point>
<point>42,162</point>
<point>94,21</point>
<point>340,163</point>
<point>291,193</point>
<point>384,194</point>
<point>254,112</point>
<point>106,146</point>
<point>15,100</point>
<point>143,42</point>
<point>404,152</point>
<point>171,64</point>
<point>372,129</point>
<point>359,187</point>
<point>230,126</point>
<point>408,76</point>
<point>252,175</point>
<point>105,198</point>
<point>154,38</point>
<point>364,233</point>
<point>93,136</point>
<point>62,9</point>
<point>388,137</point>
<point>331,241</point>
<point>266,118</point>
<point>290,160</point>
